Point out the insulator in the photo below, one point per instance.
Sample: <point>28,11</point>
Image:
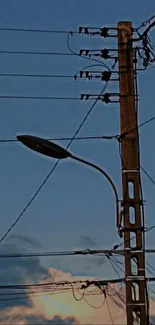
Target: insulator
<point>104,32</point>
<point>105,54</point>
<point>86,31</point>
<point>80,30</point>
<point>145,63</point>
<point>106,75</point>
<point>86,52</point>
<point>106,98</point>
<point>85,96</point>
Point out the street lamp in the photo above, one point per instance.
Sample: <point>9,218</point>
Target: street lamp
<point>53,150</point>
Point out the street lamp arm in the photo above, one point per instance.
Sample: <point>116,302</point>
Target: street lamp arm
<point>108,179</point>
<point>53,150</point>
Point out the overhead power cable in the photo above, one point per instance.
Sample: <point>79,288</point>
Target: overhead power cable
<point>51,171</point>
<point>55,165</point>
<point>110,313</point>
<point>28,295</point>
<point>85,284</point>
<point>105,137</point>
<point>38,97</point>
<point>31,30</point>
<point>87,57</point>
<point>35,53</point>
<point>139,126</point>
<point>28,75</point>
<point>101,252</point>
<point>148,175</point>
<point>146,230</point>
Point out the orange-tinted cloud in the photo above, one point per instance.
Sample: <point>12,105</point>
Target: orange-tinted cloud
<point>64,306</point>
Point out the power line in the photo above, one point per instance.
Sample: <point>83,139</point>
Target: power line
<point>30,30</point>
<point>21,296</point>
<point>35,53</point>
<point>146,230</point>
<point>39,97</point>
<point>70,142</point>
<point>105,137</point>
<point>35,75</point>
<point>51,171</point>
<point>61,283</point>
<point>119,138</point>
<point>103,252</point>
<point>49,76</point>
<point>148,175</point>
<point>87,57</point>
<point>110,314</point>
<point>139,126</point>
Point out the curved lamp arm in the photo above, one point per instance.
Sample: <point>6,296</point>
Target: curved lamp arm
<point>108,179</point>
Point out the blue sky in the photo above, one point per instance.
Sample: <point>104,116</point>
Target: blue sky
<point>76,201</point>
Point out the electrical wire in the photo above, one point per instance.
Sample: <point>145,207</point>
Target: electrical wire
<point>112,260</point>
<point>89,138</point>
<point>30,294</point>
<point>110,314</point>
<point>111,263</point>
<point>51,171</point>
<point>45,254</point>
<point>104,137</point>
<point>135,128</point>
<point>144,23</point>
<point>75,76</point>
<point>39,97</point>
<point>84,56</point>
<point>117,302</point>
<point>35,53</point>
<point>92,306</point>
<point>147,174</point>
<point>73,292</point>
<point>53,284</point>
<point>55,165</point>
<point>49,31</point>
<point>35,75</point>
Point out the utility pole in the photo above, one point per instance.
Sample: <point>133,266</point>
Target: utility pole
<point>136,298</point>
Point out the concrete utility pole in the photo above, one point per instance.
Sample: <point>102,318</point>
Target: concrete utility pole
<point>136,298</point>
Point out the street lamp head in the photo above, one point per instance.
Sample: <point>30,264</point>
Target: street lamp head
<point>43,146</point>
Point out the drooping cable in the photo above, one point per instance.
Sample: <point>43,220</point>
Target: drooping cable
<point>110,313</point>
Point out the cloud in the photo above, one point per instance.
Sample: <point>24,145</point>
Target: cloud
<point>25,317</point>
<point>61,307</point>
<point>18,271</point>
<point>81,265</point>
<point>88,242</point>
<point>23,241</point>
<point>56,321</point>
